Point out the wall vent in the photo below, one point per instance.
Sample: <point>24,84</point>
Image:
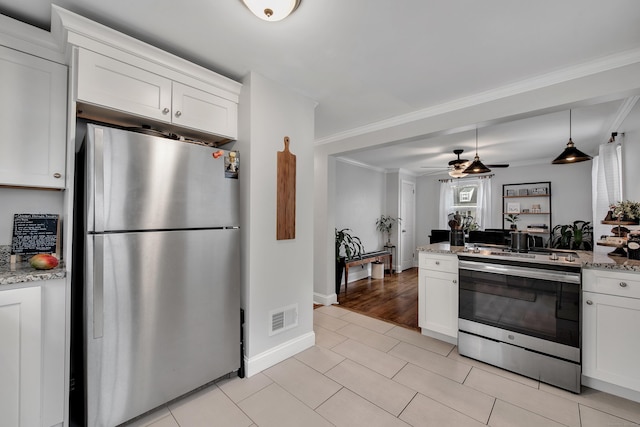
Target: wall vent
<point>283,319</point>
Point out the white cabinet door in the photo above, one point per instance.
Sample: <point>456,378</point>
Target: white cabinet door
<point>20,357</point>
<point>33,115</point>
<point>200,110</point>
<point>438,302</point>
<point>113,84</point>
<point>611,342</point>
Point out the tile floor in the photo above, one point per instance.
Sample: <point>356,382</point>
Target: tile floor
<point>366,372</point>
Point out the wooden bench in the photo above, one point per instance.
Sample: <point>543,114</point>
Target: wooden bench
<point>378,256</point>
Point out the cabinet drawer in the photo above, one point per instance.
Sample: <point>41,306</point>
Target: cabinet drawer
<point>438,262</point>
<point>611,282</point>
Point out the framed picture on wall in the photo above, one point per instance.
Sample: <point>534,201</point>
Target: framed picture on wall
<point>513,207</point>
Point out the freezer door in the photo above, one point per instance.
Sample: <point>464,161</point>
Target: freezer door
<point>142,182</point>
<point>162,318</point>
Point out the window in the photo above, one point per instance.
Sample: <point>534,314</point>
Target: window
<point>468,198</point>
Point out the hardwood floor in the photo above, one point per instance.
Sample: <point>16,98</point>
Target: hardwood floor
<point>393,299</point>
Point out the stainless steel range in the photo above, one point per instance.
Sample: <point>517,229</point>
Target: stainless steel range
<point>521,312</point>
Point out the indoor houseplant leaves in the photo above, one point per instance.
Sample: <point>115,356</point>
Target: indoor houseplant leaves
<point>384,224</point>
<point>347,247</point>
<point>576,236</point>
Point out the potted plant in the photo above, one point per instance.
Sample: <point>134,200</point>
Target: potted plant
<point>576,236</point>
<point>384,224</point>
<point>513,219</point>
<point>625,211</point>
<point>347,247</point>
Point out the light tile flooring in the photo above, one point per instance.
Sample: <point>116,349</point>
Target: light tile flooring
<point>366,372</point>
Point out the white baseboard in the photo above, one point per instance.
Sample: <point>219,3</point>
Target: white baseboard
<point>279,353</point>
<point>439,336</point>
<point>325,299</point>
<point>611,388</point>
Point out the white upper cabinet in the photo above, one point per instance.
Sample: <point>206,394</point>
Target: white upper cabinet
<point>132,89</point>
<point>106,82</point>
<point>197,109</point>
<point>33,115</point>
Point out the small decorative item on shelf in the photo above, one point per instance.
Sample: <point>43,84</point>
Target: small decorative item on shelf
<point>523,192</point>
<point>624,212</point>
<point>633,245</point>
<point>513,207</point>
<point>513,219</point>
<point>539,191</point>
<point>536,208</point>
<point>511,193</point>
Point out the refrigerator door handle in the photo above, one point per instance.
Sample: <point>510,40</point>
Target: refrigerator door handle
<point>98,286</point>
<point>98,211</point>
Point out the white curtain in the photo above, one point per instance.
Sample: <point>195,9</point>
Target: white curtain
<point>483,210</point>
<point>446,202</point>
<point>606,184</point>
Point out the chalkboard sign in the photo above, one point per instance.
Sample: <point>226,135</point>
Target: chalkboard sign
<point>35,234</point>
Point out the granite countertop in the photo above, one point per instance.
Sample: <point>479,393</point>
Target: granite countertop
<point>598,259</point>
<point>22,272</point>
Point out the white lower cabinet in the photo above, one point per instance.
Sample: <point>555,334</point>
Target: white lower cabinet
<point>610,320</point>
<point>32,355</point>
<point>20,357</point>
<point>438,295</point>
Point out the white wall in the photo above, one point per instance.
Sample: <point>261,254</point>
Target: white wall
<point>275,273</point>
<point>360,200</point>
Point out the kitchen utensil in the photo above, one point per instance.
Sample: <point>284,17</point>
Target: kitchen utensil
<point>520,241</point>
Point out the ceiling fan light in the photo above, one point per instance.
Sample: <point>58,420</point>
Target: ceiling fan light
<point>570,155</point>
<point>476,167</point>
<point>272,10</point>
<point>457,173</point>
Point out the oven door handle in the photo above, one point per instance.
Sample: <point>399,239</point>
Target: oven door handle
<point>534,273</point>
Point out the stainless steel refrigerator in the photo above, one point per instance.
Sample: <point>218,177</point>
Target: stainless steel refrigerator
<point>157,291</point>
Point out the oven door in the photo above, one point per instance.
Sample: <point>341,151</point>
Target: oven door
<point>530,302</point>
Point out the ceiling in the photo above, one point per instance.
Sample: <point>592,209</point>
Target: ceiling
<point>365,61</point>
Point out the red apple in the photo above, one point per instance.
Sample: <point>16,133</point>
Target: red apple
<point>43,261</point>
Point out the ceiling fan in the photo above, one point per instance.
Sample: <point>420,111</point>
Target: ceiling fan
<point>458,165</point>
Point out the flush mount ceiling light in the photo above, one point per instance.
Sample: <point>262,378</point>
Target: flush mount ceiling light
<point>476,167</point>
<point>272,10</point>
<point>570,154</point>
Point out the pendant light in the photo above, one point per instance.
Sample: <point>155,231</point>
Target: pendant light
<point>272,10</point>
<point>476,167</point>
<point>570,154</point>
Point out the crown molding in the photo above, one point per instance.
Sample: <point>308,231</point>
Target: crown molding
<point>70,29</point>
<point>585,69</point>
<point>17,35</point>
<point>360,164</point>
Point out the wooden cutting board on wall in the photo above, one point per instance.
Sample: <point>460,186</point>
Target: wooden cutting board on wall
<point>286,194</point>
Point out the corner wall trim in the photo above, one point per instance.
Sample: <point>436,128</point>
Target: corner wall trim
<point>278,353</point>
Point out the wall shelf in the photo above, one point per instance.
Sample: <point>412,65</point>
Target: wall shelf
<point>523,198</point>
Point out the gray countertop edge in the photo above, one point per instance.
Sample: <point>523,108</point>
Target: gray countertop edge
<point>595,260</point>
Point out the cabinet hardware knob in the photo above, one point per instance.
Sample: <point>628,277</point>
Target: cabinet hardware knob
<point>589,302</point>
<point>165,110</point>
<point>437,262</point>
<point>57,175</point>
<point>178,113</point>
<point>623,284</point>
<point>455,281</point>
